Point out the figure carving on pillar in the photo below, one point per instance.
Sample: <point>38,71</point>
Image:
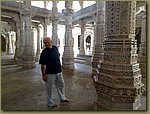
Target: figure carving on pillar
<point>88,42</point>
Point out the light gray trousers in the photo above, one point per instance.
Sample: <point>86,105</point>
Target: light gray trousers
<point>58,80</point>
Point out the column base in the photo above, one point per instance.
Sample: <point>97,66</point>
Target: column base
<point>68,66</point>
<point>104,104</point>
<point>29,66</point>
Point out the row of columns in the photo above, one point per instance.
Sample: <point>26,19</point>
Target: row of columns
<point>23,26</point>
<point>24,52</point>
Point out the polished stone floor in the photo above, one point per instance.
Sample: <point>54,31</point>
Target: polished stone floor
<point>24,89</point>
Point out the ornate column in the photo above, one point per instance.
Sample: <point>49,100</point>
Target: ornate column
<point>81,4</point>
<point>118,83</point>
<point>10,50</point>
<point>82,51</point>
<point>45,4</point>
<point>68,54</point>
<point>13,39</point>
<point>17,40</point>
<point>142,52</point>
<point>54,23</point>
<point>99,37</point>
<point>38,51</point>
<point>22,39</point>
<point>28,60</point>
<point>33,39</point>
<point>45,23</point>
<point>94,31</point>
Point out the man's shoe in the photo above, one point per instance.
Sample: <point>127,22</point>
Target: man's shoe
<point>66,100</point>
<point>52,106</point>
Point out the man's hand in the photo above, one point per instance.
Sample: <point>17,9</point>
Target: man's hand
<point>44,78</point>
<point>43,68</point>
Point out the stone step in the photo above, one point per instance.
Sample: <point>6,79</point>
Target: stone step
<point>79,60</point>
<point>7,62</point>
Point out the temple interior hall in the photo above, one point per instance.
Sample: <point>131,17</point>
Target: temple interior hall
<point>103,54</point>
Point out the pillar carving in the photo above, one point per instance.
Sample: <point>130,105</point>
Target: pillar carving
<point>17,40</point>
<point>38,51</point>
<point>94,31</point>
<point>98,36</point>
<point>82,50</point>
<point>118,83</point>
<point>28,59</point>
<point>142,52</point>
<point>68,54</point>
<point>13,39</point>
<point>81,4</point>
<point>10,49</point>
<point>45,23</point>
<point>21,41</point>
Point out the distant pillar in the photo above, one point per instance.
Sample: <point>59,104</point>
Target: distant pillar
<point>45,23</point>
<point>54,24</point>
<point>21,41</point>
<point>17,40</point>
<point>10,50</point>
<point>38,51</point>
<point>82,51</point>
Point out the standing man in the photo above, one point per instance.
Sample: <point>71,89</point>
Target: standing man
<point>52,72</point>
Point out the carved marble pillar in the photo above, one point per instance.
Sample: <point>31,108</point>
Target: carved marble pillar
<point>118,83</point>
<point>44,23</point>
<point>99,37</point>
<point>142,52</point>
<point>10,50</point>
<point>38,51</point>
<point>28,59</point>
<point>81,4</point>
<point>94,31</point>
<point>17,40</point>
<point>68,54</point>
<point>54,24</point>
<point>13,39</point>
<point>45,4</point>
<point>22,41</point>
<point>33,39</point>
<point>82,51</point>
